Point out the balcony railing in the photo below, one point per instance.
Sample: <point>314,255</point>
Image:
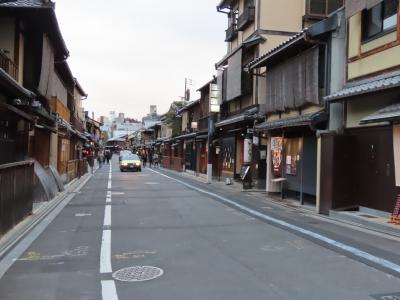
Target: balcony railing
<point>317,9</point>
<point>77,123</point>
<point>8,65</point>
<point>231,33</point>
<point>246,18</point>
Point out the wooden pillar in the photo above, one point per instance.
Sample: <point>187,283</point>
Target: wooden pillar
<point>396,151</point>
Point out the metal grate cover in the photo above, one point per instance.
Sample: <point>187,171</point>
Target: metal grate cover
<point>138,274</point>
<point>368,216</point>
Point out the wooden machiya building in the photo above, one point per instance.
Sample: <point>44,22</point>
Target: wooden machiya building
<point>33,25</point>
<point>16,169</point>
<point>255,27</point>
<point>361,164</point>
<point>296,76</point>
<point>195,123</point>
<point>33,89</point>
<point>190,113</point>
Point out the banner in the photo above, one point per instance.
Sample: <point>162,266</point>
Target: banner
<point>277,155</point>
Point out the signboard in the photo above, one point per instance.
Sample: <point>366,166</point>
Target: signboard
<point>214,98</point>
<point>276,149</point>
<point>243,172</point>
<point>256,140</point>
<point>291,165</point>
<point>248,150</point>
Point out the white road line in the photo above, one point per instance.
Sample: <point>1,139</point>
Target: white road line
<point>349,249</point>
<point>108,290</point>
<point>107,216</point>
<point>105,253</point>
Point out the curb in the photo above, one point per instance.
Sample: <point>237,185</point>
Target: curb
<point>10,240</point>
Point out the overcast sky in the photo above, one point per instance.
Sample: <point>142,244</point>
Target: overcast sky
<point>129,54</point>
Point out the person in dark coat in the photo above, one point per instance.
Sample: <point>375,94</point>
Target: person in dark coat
<point>144,158</point>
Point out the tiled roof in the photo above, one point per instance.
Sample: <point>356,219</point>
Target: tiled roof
<point>389,113</point>
<point>286,43</point>
<point>25,3</point>
<point>298,121</point>
<point>248,115</point>
<point>367,87</point>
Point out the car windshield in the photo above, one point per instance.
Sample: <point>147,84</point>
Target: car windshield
<point>130,157</point>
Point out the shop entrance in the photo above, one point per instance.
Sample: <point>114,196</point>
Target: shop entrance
<point>300,166</point>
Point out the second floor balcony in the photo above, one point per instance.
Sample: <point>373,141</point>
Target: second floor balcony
<point>77,124</point>
<point>8,66</point>
<point>231,33</point>
<point>246,18</point>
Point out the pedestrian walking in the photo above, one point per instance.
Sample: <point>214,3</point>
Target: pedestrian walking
<point>90,160</point>
<point>108,156</point>
<point>144,158</point>
<point>100,158</point>
<point>150,159</point>
<point>155,160</point>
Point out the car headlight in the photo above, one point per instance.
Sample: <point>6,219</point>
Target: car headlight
<point>124,164</point>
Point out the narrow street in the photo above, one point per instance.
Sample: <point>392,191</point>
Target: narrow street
<point>206,249</point>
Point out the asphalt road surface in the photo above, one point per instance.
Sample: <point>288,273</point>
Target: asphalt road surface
<point>201,248</point>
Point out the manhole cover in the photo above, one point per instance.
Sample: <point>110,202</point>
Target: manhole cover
<point>390,296</point>
<point>138,273</point>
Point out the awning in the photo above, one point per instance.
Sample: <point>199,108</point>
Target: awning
<point>42,112</point>
<point>202,137</point>
<point>251,41</point>
<point>189,105</point>
<point>186,136</point>
<point>298,121</point>
<point>11,86</point>
<point>388,114</point>
<point>263,59</point>
<point>365,87</point>
<point>249,115</point>
<point>17,111</point>
<point>44,126</point>
<point>63,124</point>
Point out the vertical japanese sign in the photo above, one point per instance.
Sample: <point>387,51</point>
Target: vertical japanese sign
<point>214,98</point>
<point>277,155</point>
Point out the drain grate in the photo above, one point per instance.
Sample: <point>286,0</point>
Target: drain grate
<point>368,216</point>
<point>138,274</point>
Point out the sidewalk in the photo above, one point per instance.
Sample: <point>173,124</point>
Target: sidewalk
<point>39,212</point>
<point>362,220</point>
